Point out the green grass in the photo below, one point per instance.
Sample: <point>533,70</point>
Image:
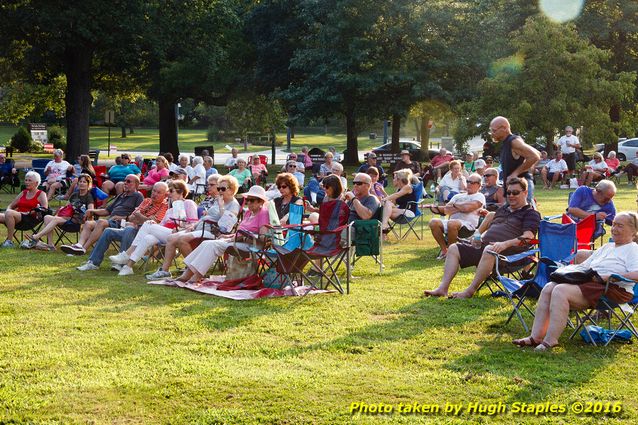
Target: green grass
<point>145,139</point>
<point>95,348</point>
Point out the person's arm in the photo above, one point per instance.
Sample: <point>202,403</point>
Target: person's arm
<point>529,154</point>
<point>463,184</point>
<point>468,206</point>
<point>499,247</point>
<point>443,164</point>
<point>405,190</point>
<point>362,211</point>
<point>499,196</point>
<point>43,201</point>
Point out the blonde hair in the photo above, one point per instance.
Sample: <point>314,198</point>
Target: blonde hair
<point>233,184</point>
<point>404,175</point>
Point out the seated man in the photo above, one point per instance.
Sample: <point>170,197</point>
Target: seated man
<point>463,210</point>
<point>538,167</point>
<point>587,201</point>
<point>8,173</point>
<point>362,204</point>
<point>121,207</point>
<point>406,162</point>
<point>554,170</point>
<point>118,173</point>
<point>439,165</point>
<point>507,232</point>
<point>493,192</point>
<point>371,161</point>
<point>152,208</point>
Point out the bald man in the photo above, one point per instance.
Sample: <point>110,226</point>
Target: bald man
<point>517,157</point>
<point>362,204</point>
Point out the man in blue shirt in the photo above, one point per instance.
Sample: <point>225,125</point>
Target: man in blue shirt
<point>586,201</point>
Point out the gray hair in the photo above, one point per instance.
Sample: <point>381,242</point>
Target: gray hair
<point>197,161</point>
<point>34,175</point>
<point>339,167</point>
<point>213,177</point>
<point>161,184</point>
<point>606,186</point>
<point>611,154</point>
<point>184,156</point>
<point>58,152</point>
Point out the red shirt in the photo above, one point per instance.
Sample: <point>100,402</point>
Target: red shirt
<point>438,159</point>
<point>24,205</point>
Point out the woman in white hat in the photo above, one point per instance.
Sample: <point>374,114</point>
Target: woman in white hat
<point>255,221</point>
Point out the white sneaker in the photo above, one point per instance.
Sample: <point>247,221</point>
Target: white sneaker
<point>159,274</point>
<point>121,258</point>
<point>87,267</point>
<point>125,271</point>
<point>116,267</point>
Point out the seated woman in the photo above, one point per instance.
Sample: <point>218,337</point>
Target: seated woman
<point>155,174</point>
<point>596,170</point>
<point>337,170</point>
<point>72,214</point>
<point>255,221</point>
<point>117,174</point>
<point>613,163</point>
<point>556,300</point>
<point>376,187</point>
<point>258,170</point>
<point>242,174</point>
<point>402,201</point>
<point>325,169</point>
<point>151,233</point>
<point>223,203</point>
<point>197,176</point>
<point>86,168</point>
<point>333,189</point>
<point>452,183</point>
<point>289,190</point>
<point>17,213</point>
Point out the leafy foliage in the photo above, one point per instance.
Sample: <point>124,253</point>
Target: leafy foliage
<point>255,113</point>
<point>21,140</point>
<point>57,137</point>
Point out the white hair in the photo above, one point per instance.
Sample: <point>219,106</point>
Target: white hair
<point>183,155</point>
<point>611,154</point>
<point>197,161</point>
<point>213,177</point>
<point>606,186</point>
<point>34,175</point>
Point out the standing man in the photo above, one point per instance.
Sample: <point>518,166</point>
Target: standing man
<point>517,157</point>
<point>568,145</point>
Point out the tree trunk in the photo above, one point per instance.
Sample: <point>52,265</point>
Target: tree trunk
<point>352,144</point>
<point>396,133</point>
<point>425,136</point>
<point>168,126</point>
<point>549,145</point>
<point>77,100</point>
<point>418,130</point>
<point>123,132</point>
<point>614,115</point>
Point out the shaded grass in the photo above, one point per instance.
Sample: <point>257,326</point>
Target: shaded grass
<point>92,347</point>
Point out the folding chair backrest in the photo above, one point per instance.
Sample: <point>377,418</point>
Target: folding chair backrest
<point>418,196</point>
<point>366,237</point>
<point>332,215</point>
<point>557,242</point>
<point>585,230</point>
<point>294,237</point>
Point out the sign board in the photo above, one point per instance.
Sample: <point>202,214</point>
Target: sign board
<point>109,117</point>
<point>39,132</point>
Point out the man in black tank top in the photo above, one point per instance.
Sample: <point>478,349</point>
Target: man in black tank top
<point>517,157</point>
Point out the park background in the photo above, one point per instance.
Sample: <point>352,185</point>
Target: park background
<point>78,348</point>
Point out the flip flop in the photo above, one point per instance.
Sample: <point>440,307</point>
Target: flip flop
<point>526,342</point>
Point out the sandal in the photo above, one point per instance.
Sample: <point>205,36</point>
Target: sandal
<point>543,346</point>
<point>526,342</point>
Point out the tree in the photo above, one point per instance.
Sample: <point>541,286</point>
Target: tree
<point>555,78</point>
<point>255,113</point>
<point>21,100</point>
<point>87,42</point>
<point>195,50</point>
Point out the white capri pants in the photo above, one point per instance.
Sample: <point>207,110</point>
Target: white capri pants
<point>204,256</point>
<point>149,234</point>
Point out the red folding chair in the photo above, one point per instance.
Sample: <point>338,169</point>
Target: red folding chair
<point>585,230</point>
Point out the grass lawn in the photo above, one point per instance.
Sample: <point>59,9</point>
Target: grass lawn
<point>145,139</point>
<point>94,348</point>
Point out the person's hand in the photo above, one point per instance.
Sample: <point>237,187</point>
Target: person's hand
<point>511,176</point>
<point>601,215</point>
<point>349,196</point>
<point>499,247</point>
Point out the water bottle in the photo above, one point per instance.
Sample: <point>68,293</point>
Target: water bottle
<point>432,188</point>
<point>476,239</point>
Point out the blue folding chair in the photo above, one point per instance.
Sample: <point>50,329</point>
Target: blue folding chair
<point>557,245</point>
<point>410,221</point>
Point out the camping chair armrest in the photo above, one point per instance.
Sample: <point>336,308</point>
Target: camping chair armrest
<point>618,278</point>
<point>324,232</point>
<point>250,237</point>
<point>552,217</point>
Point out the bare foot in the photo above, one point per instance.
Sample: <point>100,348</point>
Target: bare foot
<point>435,293</point>
<point>464,294</point>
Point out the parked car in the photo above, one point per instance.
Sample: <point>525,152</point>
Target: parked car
<point>404,145</point>
<point>627,148</point>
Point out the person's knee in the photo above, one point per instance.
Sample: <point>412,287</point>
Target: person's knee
<point>453,250</point>
<point>453,225</point>
<point>435,224</point>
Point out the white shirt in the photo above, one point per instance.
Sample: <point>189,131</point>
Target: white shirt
<point>58,169</point>
<point>554,166</point>
<point>600,166</point>
<point>173,167</point>
<point>454,185</point>
<point>610,259</point>
<point>562,142</point>
<point>231,162</point>
<point>469,219</point>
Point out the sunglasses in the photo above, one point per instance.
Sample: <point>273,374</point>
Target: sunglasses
<point>473,182</point>
<point>283,186</point>
<point>513,192</point>
<point>490,175</point>
<point>251,200</point>
<point>358,183</point>
<point>292,165</point>
<point>222,188</point>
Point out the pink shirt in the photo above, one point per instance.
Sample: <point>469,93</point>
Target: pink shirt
<point>154,176</point>
<point>257,169</point>
<point>613,163</point>
<point>252,223</point>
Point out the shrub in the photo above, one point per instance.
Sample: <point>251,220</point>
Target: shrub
<point>57,137</point>
<point>21,141</point>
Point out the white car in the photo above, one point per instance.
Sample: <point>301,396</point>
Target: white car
<point>627,149</point>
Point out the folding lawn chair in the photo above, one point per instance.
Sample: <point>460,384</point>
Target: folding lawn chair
<point>557,245</point>
<point>367,239</point>
<point>609,310</point>
<point>63,232</point>
<point>585,229</point>
<point>329,249</point>
<point>405,220</point>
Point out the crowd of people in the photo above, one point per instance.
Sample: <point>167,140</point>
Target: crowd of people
<point>191,209</point>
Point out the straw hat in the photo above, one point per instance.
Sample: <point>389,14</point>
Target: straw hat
<point>256,192</point>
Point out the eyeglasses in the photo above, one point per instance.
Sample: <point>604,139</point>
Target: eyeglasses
<point>513,192</point>
<point>490,175</point>
<point>473,182</point>
<point>222,188</point>
<point>292,165</point>
<point>283,186</point>
<point>358,183</point>
<point>489,162</point>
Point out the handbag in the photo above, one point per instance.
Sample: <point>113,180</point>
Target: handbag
<point>66,211</point>
<point>575,274</point>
